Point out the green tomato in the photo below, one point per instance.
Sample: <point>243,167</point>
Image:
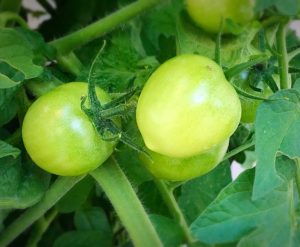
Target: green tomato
<point>59,137</point>
<point>209,14</point>
<point>187,107</point>
<point>181,169</point>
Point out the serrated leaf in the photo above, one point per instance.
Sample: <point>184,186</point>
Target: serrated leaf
<point>198,193</point>
<point>234,216</point>
<point>21,184</point>
<point>8,150</point>
<point>277,120</point>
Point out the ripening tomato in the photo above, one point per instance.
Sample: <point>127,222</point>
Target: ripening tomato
<point>209,14</point>
<point>181,169</point>
<point>58,135</point>
<point>187,107</point>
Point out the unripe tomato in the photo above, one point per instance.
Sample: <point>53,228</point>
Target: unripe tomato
<point>181,169</point>
<point>58,135</point>
<point>209,14</point>
<point>249,105</point>
<point>187,107</point>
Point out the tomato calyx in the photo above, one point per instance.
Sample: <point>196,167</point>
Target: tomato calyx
<point>104,116</point>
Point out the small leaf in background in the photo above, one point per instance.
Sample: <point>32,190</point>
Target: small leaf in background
<point>17,53</point>
<point>93,219</point>
<point>8,105</point>
<point>76,197</point>
<point>120,66</point>
<point>198,193</point>
<point>151,199</point>
<point>8,150</point>
<point>168,230</point>
<point>287,7</point>
<point>277,130</point>
<point>266,222</point>
<point>22,184</point>
<point>93,230</point>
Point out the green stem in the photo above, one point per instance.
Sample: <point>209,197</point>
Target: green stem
<point>239,149</point>
<point>218,44</point>
<point>127,205</point>
<point>293,54</point>
<point>283,57</point>
<point>298,175</point>
<point>10,5</point>
<point>38,87</point>
<point>169,199</point>
<point>59,188</point>
<point>70,63</point>
<point>70,42</point>
<point>8,17</point>
<point>40,228</point>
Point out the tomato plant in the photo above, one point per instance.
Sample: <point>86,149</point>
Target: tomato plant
<point>181,169</point>
<point>187,107</point>
<point>59,137</point>
<point>208,15</point>
<point>139,155</point>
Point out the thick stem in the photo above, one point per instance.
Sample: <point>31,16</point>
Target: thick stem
<point>60,187</point>
<point>169,199</point>
<point>70,42</point>
<point>283,57</point>
<point>8,17</point>
<point>70,63</point>
<point>127,205</point>
<point>38,88</point>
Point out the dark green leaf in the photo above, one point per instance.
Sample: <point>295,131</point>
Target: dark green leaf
<point>76,196</point>
<point>198,193</point>
<point>21,184</point>
<point>8,105</point>
<point>167,229</point>
<point>8,150</point>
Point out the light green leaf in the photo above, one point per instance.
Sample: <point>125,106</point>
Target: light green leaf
<point>277,130</point>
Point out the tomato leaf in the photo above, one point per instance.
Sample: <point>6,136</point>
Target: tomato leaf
<point>8,104</point>
<point>93,230</point>
<point>76,197</point>
<point>8,150</point>
<point>198,193</point>
<point>266,222</point>
<point>17,52</point>
<point>277,120</point>
<point>21,184</point>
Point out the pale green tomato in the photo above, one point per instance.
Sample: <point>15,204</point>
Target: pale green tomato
<point>187,107</point>
<point>181,169</point>
<point>209,14</point>
<point>58,135</point>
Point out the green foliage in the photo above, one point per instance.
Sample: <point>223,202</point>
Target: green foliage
<point>234,216</point>
<point>261,208</point>
<point>22,184</point>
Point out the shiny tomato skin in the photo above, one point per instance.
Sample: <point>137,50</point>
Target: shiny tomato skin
<point>58,135</point>
<point>182,169</point>
<point>209,14</point>
<point>187,107</point>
